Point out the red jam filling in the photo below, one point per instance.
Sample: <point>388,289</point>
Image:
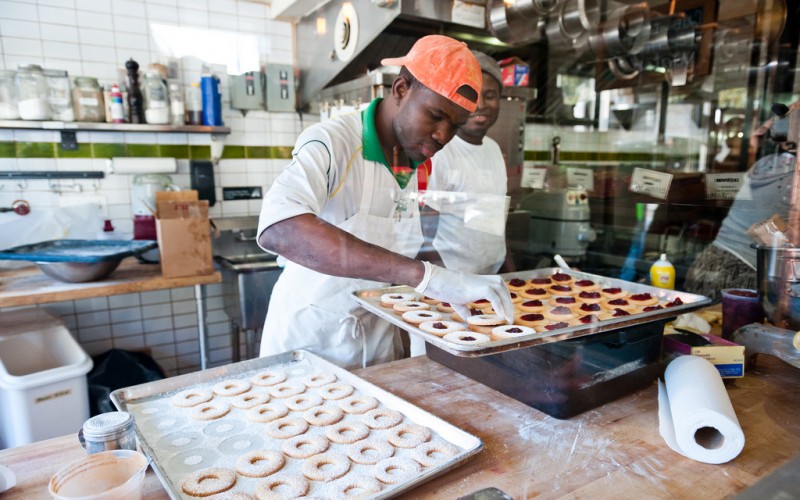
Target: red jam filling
<point>445,304</point>
<point>561,310</point>
<point>589,318</point>
<point>482,301</point>
<point>533,303</point>
<point>612,290</point>
<point>561,288</point>
<point>468,339</point>
<point>652,308</point>
<point>561,277</point>
<point>641,296</point>
<point>590,307</point>
<point>620,312</point>
<point>517,282</point>
<point>475,312</point>
<point>541,281</point>
<point>531,317</point>
<point>584,283</point>
<point>424,315</point>
<point>513,295</point>
<point>618,302</point>
<point>556,326</point>
<point>514,330</point>
<point>589,295</point>
<point>676,302</point>
<point>439,326</point>
<point>396,297</point>
<point>566,300</point>
<point>536,291</point>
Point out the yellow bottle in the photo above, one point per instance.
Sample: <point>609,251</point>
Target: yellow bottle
<point>662,273</point>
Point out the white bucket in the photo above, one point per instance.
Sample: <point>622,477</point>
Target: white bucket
<point>109,475</point>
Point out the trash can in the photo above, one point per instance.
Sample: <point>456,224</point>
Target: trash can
<point>43,390</point>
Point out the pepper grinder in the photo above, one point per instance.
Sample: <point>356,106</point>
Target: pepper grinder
<point>135,99</point>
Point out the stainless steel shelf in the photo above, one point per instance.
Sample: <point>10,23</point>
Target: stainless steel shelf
<point>110,127</point>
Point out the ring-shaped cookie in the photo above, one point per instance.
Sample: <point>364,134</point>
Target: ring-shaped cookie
<point>395,469</point>
<point>302,402</point>
<point>326,466</point>
<point>303,446</point>
<point>206,482</point>
<point>356,405</point>
<point>434,452</point>
<point>250,400</point>
<point>260,463</point>
<point>370,451</point>
<point>347,432</point>
<point>322,416</point>
<point>356,486</point>
<point>286,428</point>
<point>336,391</point>
<point>441,328</point>
<point>287,389</point>
<point>319,379</point>
<point>382,418</point>
<point>409,305</point>
<point>191,397</point>
<point>510,331</point>
<point>409,435</point>
<point>282,486</point>
<point>268,378</point>
<point>232,387</point>
<point>467,338</point>
<point>267,413</point>
<point>418,317</point>
<point>390,299</point>
<point>210,410</point>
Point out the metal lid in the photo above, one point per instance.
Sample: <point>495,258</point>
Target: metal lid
<point>107,425</point>
<point>88,81</point>
<point>55,73</point>
<point>29,67</point>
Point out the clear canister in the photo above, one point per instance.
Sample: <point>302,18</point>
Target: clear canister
<point>32,92</point>
<point>59,95</point>
<point>8,95</point>
<point>156,99</point>
<point>87,100</point>
<point>108,431</point>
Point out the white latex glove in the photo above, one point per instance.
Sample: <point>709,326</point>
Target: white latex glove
<point>459,289</point>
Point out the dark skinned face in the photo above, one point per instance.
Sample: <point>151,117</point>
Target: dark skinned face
<point>486,115</point>
<point>426,121</point>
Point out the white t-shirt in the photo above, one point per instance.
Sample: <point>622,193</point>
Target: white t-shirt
<point>468,187</point>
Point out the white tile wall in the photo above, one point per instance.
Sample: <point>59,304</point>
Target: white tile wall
<point>95,38</point>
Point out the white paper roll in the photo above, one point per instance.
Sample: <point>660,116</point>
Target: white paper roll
<point>126,165</point>
<point>695,414</point>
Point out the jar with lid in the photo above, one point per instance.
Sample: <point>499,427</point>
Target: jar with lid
<point>32,93</point>
<point>8,95</point>
<point>156,99</point>
<point>108,431</point>
<point>59,95</point>
<point>176,104</point>
<point>87,99</point>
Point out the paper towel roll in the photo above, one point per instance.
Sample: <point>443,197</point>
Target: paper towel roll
<point>127,165</point>
<point>695,414</point>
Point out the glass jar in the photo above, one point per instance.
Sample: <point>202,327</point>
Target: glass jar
<point>32,93</point>
<point>176,104</point>
<point>59,95</point>
<point>8,95</point>
<point>87,100</point>
<point>156,99</point>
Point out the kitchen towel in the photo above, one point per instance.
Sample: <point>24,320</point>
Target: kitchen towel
<point>695,414</point>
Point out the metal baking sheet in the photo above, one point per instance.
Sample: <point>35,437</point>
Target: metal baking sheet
<point>370,300</point>
<point>167,438</point>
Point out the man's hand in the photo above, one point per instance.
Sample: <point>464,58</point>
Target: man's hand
<point>459,289</point>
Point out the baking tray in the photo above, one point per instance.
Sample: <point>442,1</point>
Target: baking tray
<point>159,431</point>
<point>88,251</point>
<point>370,300</point>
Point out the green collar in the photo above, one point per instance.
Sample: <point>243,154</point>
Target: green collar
<point>372,146</point>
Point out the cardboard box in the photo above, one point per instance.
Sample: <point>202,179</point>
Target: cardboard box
<point>726,356</point>
<point>184,234</point>
<point>514,72</point>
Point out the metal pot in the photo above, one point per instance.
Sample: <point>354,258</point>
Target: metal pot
<point>778,275</point>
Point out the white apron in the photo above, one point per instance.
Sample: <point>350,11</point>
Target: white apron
<point>317,312</point>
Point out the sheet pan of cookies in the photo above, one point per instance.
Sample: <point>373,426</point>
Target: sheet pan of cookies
<point>287,426</point>
<point>550,304</point>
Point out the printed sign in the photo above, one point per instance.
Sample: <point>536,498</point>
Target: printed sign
<point>581,177</point>
<point>650,183</point>
<point>533,177</point>
<point>727,186</point>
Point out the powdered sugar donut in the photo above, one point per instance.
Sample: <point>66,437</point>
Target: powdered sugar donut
<point>395,469</point>
<point>303,402</point>
<point>382,418</point>
<point>282,486</point>
<point>441,328</point>
<point>206,482</point>
<point>409,435</point>
<point>356,405</point>
<point>356,486</point>
<point>322,416</point>
<point>250,400</point>
<point>510,331</point>
<point>336,391</point>
<point>326,466</point>
<point>370,451</point>
<point>232,387</point>
<point>210,410</point>
<point>287,389</point>
<point>285,428</point>
<point>319,379</point>
<point>268,378</point>
<point>467,338</point>
<point>191,397</point>
<point>347,432</point>
<point>259,463</point>
<point>432,453</point>
<point>417,317</point>
<point>304,446</point>
<point>390,299</point>
<point>267,413</point>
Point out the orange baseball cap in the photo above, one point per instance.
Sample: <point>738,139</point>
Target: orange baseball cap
<point>444,65</point>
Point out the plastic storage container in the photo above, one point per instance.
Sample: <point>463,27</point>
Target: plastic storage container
<point>43,389</point>
<point>569,377</point>
<point>32,93</point>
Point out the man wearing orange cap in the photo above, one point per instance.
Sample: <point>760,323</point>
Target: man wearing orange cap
<point>346,217</point>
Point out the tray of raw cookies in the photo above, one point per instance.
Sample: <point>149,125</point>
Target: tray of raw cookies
<point>288,426</point>
<point>550,304</point>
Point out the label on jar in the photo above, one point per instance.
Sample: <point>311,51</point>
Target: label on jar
<point>88,101</point>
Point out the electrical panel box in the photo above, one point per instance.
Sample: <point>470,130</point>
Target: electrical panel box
<point>280,87</point>
<point>247,91</point>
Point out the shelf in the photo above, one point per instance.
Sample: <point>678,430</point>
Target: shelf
<point>110,127</point>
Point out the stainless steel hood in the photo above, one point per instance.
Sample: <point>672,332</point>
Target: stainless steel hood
<point>341,41</point>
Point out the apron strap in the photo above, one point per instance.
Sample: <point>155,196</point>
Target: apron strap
<point>356,331</point>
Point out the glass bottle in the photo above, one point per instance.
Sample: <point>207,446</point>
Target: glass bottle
<point>87,99</point>
<point>8,95</point>
<point>59,95</point>
<point>32,93</point>
<point>176,105</point>
<point>156,99</point>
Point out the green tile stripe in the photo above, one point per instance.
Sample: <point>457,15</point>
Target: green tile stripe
<point>10,149</point>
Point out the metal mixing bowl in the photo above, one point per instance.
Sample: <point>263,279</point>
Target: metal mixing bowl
<point>778,275</point>
<point>78,272</point>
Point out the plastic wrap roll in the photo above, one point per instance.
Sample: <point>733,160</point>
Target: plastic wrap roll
<point>695,415</point>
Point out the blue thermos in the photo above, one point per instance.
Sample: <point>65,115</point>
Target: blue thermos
<point>212,100</point>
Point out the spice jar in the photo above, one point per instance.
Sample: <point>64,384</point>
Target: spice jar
<point>8,95</point>
<point>156,99</point>
<point>59,95</point>
<point>87,99</point>
<point>176,104</point>
<point>108,431</point>
<point>32,93</point>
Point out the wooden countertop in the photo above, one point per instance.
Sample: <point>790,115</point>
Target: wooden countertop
<point>29,286</point>
<point>611,452</point>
